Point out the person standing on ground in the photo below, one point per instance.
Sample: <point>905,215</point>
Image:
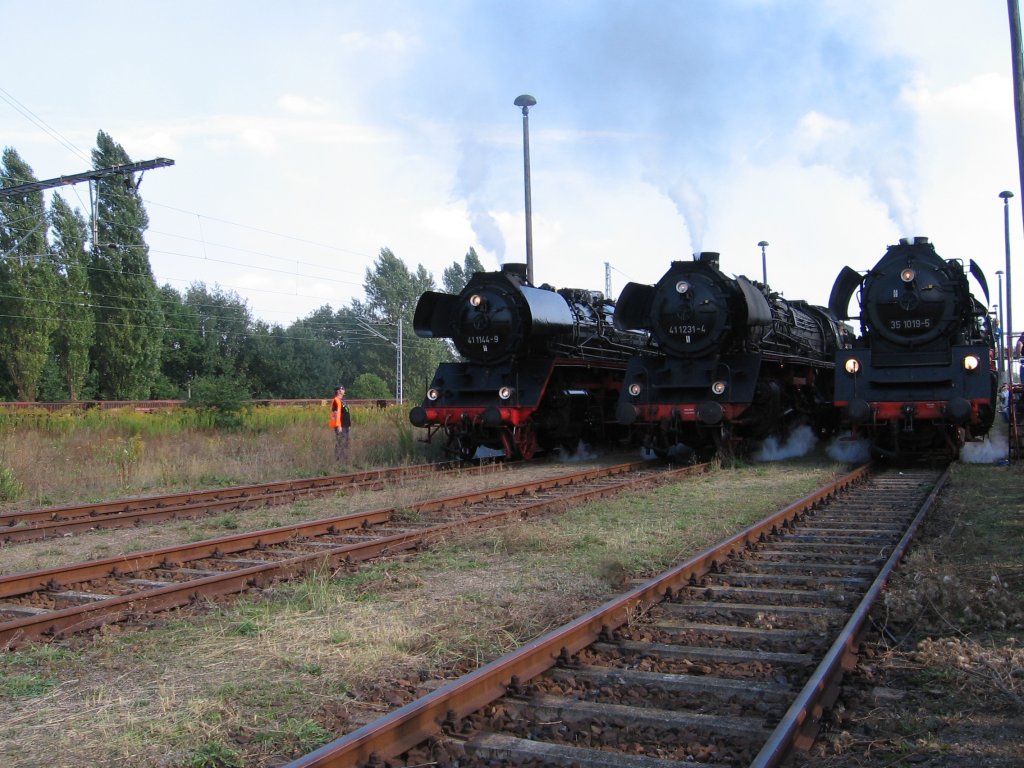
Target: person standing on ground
<point>341,420</point>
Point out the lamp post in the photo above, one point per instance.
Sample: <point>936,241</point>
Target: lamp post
<point>1001,343</point>
<point>1006,195</point>
<point>526,101</point>
<point>764,263</point>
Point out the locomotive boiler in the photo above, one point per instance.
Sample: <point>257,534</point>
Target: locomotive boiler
<point>729,361</point>
<point>541,368</point>
<point>921,377</point>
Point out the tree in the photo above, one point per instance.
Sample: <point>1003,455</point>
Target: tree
<point>224,325</point>
<point>28,281</point>
<point>369,386</point>
<point>76,326</point>
<point>392,292</point>
<point>129,323</point>
<point>309,359</point>
<point>456,276</point>
<point>181,356</point>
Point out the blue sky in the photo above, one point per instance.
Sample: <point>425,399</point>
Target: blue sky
<point>307,136</point>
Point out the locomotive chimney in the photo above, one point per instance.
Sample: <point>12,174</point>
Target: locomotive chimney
<point>920,240</point>
<point>709,257</point>
<point>515,269</point>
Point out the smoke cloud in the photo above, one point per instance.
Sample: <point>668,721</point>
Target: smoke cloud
<point>472,187</point>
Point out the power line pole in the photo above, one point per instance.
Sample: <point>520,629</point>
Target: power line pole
<point>125,169</point>
<point>399,364</point>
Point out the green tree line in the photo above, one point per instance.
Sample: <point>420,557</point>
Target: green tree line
<point>83,318</point>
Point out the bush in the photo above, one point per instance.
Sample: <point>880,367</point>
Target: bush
<point>369,386</point>
<point>10,488</point>
<point>222,398</point>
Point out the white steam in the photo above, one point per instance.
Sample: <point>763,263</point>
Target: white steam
<point>995,447</point>
<point>799,443</point>
<point>582,453</point>
<point>473,172</point>
<point>847,448</point>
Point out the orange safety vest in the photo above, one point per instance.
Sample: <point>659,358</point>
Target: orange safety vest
<point>337,413</point>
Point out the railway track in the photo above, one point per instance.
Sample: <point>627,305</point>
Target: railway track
<point>729,659</point>
<point>60,522</point>
<point>59,601</point>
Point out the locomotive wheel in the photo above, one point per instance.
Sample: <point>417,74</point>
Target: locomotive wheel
<point>461,448</point>
<point>526,441</point>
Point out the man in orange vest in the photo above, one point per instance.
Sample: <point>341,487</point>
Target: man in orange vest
<point>340,422</point>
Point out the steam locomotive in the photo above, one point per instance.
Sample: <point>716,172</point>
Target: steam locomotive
<point>729,361</point>
<point>921,377</point>
<point>542,368</point>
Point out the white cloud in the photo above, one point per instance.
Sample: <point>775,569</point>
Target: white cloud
<point>985,93</point>
<point>303,106</point>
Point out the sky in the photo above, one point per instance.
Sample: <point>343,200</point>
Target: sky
<point>308,136</point>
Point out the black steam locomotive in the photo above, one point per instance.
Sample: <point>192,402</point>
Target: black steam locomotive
<point>921,377</point>
<point>729,361</point>
<point>542,368</point>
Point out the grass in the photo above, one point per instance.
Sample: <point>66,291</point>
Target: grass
<point>266,677</point>
<point>52,458</point>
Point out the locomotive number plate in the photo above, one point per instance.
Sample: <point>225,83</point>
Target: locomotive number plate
<point>482,339</point>
<point>687,330</point>
<point>912,324</point>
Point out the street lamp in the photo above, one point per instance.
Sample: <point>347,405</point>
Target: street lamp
<point>526,101</point>
<point>1006,195</point>
<point>764,263</point>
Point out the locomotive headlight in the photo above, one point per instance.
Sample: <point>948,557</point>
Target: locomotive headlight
<point>852,365</point>
<point>907,275</point>
<point>718,387</point>
<point>505,393</point>
<point>971,363</point>
<point>433,393</point>
<point>635,389</point>
<point>682,286</point>
<point>476,300</point>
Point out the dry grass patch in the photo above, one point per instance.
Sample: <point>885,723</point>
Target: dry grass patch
<point>99,544</point>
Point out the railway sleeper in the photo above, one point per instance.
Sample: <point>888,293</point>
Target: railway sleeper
<point>610,724</point>
<point>839,539</point>
<point>72,597</point>
<point>851,583</point>
<point>21,611</point>
<point>773,597</point>
<point>643,685</point>
<point>801,640</point>
<point>833,569</point>
<point>148,583</point>
<point>804,549</point>
<point>630,649</point>
<point>494,746</point>
<point>192,573</point>
<point>754,609</point>
<point>632,730</point>
<point>843,524</point>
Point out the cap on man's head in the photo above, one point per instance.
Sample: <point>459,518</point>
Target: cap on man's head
<point>341,386</point>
